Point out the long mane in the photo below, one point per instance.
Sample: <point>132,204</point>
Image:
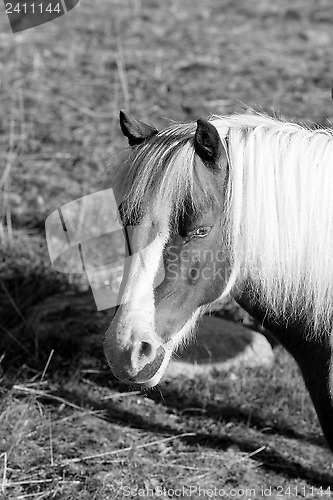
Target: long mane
<point>281,216</point>
<point>279,204</point>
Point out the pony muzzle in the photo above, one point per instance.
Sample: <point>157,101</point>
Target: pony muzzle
<point>152,373</point>
<point>141,364</point>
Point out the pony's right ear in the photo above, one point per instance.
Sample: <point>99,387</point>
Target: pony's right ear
<point>135,131</point>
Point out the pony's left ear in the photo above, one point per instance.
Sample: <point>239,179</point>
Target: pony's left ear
<point>207,142</point>
<point>135,131</point>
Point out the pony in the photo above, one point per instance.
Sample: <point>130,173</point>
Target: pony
<point>236,206</point>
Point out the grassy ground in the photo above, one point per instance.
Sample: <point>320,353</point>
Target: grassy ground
<point>68,429</point>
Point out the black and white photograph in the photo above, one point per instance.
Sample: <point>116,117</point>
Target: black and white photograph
<point>166,249</point>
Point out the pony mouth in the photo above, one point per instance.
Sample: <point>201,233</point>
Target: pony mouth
<point>152,373</point>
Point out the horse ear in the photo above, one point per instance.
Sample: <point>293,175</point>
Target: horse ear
<point>207,142</point>
<point>134,130</point>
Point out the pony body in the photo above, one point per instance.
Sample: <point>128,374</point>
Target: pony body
<point>258,192</point>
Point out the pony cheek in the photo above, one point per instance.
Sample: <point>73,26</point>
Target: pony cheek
<point>206,279</point>
<point>172,314</point>
<point>214,279</point>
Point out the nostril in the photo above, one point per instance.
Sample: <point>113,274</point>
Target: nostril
<point>142,354</point>
<point>146,349</point>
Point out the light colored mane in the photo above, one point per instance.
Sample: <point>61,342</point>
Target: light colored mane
<point>281,215</point>
<point>279,204</point>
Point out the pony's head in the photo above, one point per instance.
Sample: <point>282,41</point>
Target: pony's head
<point>174,190</point>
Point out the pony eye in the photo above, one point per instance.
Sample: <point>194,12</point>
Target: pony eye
<point>202,231</point>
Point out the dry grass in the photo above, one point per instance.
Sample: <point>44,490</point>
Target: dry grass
<point>83,438</point>
<point>62,85</point>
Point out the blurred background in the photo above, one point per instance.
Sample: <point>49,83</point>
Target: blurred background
<point>62,85</point>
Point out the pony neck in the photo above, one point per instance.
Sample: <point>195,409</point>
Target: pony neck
<point>313,354</point>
